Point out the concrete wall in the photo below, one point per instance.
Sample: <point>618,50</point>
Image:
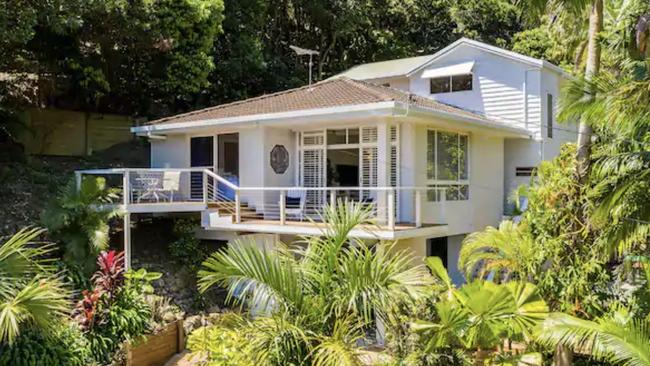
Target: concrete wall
<point>71,133</point>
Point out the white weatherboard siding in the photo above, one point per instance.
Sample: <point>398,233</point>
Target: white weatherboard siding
<point>518,153</point>
<point>172,152</point>
<point>497,86</point>
<point>485,204</point>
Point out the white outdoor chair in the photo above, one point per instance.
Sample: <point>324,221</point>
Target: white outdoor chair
<point>171,183</point>
<point>295,203</point>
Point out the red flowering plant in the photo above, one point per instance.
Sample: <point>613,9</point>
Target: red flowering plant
<point>108,279</point>
<point>110,276</point>
<point>86,309</point>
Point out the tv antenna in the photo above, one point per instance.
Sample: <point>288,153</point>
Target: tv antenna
<point>302,52</point>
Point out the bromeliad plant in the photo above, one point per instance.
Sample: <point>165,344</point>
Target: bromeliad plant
<point>479,316</point>
<point>313,304</point>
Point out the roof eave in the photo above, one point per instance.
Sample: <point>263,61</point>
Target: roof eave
<point>377,108</point>
<point>477,122</point>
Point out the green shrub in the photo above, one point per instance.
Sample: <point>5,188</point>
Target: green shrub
<point>187,249</point>
<point>65,346</point>
<point>127,318</point>
<point>222,343</point>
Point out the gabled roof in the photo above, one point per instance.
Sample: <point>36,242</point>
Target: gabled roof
<point>331,93</point>
<point>409,66</point>
<point>385,69</point>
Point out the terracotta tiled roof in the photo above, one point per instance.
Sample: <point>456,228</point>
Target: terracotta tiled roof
<point>325,94</point>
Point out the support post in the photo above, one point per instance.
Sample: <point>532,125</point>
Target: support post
<point>237,206</point>
<point>418,208</point>
<point>126,187</point>
<point>77,179</point>
<point>205,188</point>
<point>127,241</point>
<point>443,203</point>
<point>333,199</point>
<point>283,207</point>
<point>391,208</point>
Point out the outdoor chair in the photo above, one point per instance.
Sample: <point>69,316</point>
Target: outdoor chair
<point>295,203</point>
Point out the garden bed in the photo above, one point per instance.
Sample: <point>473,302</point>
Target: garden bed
<point>157,349</point>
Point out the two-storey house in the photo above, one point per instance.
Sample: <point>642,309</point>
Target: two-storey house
<point>431,144</point>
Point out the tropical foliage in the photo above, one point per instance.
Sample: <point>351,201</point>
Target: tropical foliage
<point>617,338</point>
<point>31,293</point>
<point>312,304</point>
<point>77,220</point>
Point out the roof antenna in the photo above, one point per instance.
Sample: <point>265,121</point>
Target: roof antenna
<point>304,51</point>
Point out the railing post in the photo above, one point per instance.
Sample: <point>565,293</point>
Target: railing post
<point>391,209</point>
<point>77,179</point>
<point>283,213</point>
<point>126,187</point>
<point>237,206</point>
<point>333,199</point>
<point>205,188</point>
<point>418,208</point>
<point>443,203</point>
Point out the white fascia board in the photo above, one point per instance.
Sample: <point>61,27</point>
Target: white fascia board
<point>379,108</point>
<point>494,50</point>
<point>478,122</point>
<point>451,70</point>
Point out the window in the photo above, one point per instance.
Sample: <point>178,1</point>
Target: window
<point>447,165</point>
<point>454,83</point>
<point>524,171</point>
<point>549,115</point>
<point>343,136</point>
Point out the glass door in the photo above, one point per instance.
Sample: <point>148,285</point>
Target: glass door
<point>201,156</point>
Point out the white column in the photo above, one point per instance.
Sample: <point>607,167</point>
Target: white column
<point>283,206</point>
<point>409,168</point>
<point>383,169</point>
<point>127,240</point>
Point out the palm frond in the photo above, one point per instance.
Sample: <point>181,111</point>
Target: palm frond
<point>43,301</point>
<point>606,339</point>
<point>261,276</point>
<point>375,277</point>
<point>339,348</point>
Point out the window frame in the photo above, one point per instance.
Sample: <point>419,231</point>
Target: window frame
<point>435,182</point>
<point>550,115</point>
<point>450,81</point>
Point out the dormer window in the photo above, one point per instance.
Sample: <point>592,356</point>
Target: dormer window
<point>449,79</point>
<point>449,84</point>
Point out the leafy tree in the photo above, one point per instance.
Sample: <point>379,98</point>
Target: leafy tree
<point>314,307</point>
<point>30,292</point>
<point>79,222</point>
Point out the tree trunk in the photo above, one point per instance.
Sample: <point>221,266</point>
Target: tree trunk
<point>591,71</point>
<point>563,356</point>
<point>480,356</point>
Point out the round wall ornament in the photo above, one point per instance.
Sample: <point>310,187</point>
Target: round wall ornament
<point>279,159</point>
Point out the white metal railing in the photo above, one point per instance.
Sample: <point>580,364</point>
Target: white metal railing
<point>300,204</point>
<point>389,206</point>
<point>150,185</point>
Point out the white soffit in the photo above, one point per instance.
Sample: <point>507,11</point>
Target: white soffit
<point>457,69</point>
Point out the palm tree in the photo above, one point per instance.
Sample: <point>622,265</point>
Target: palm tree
<point>314,303</point>
<point>78,220</point>
<point>509,252</point>
<point>592,64</point>
<point>616,339</point>
<point>30,291</point>
<point>480,315</point>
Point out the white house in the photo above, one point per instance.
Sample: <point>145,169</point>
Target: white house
<point>432,144</point>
